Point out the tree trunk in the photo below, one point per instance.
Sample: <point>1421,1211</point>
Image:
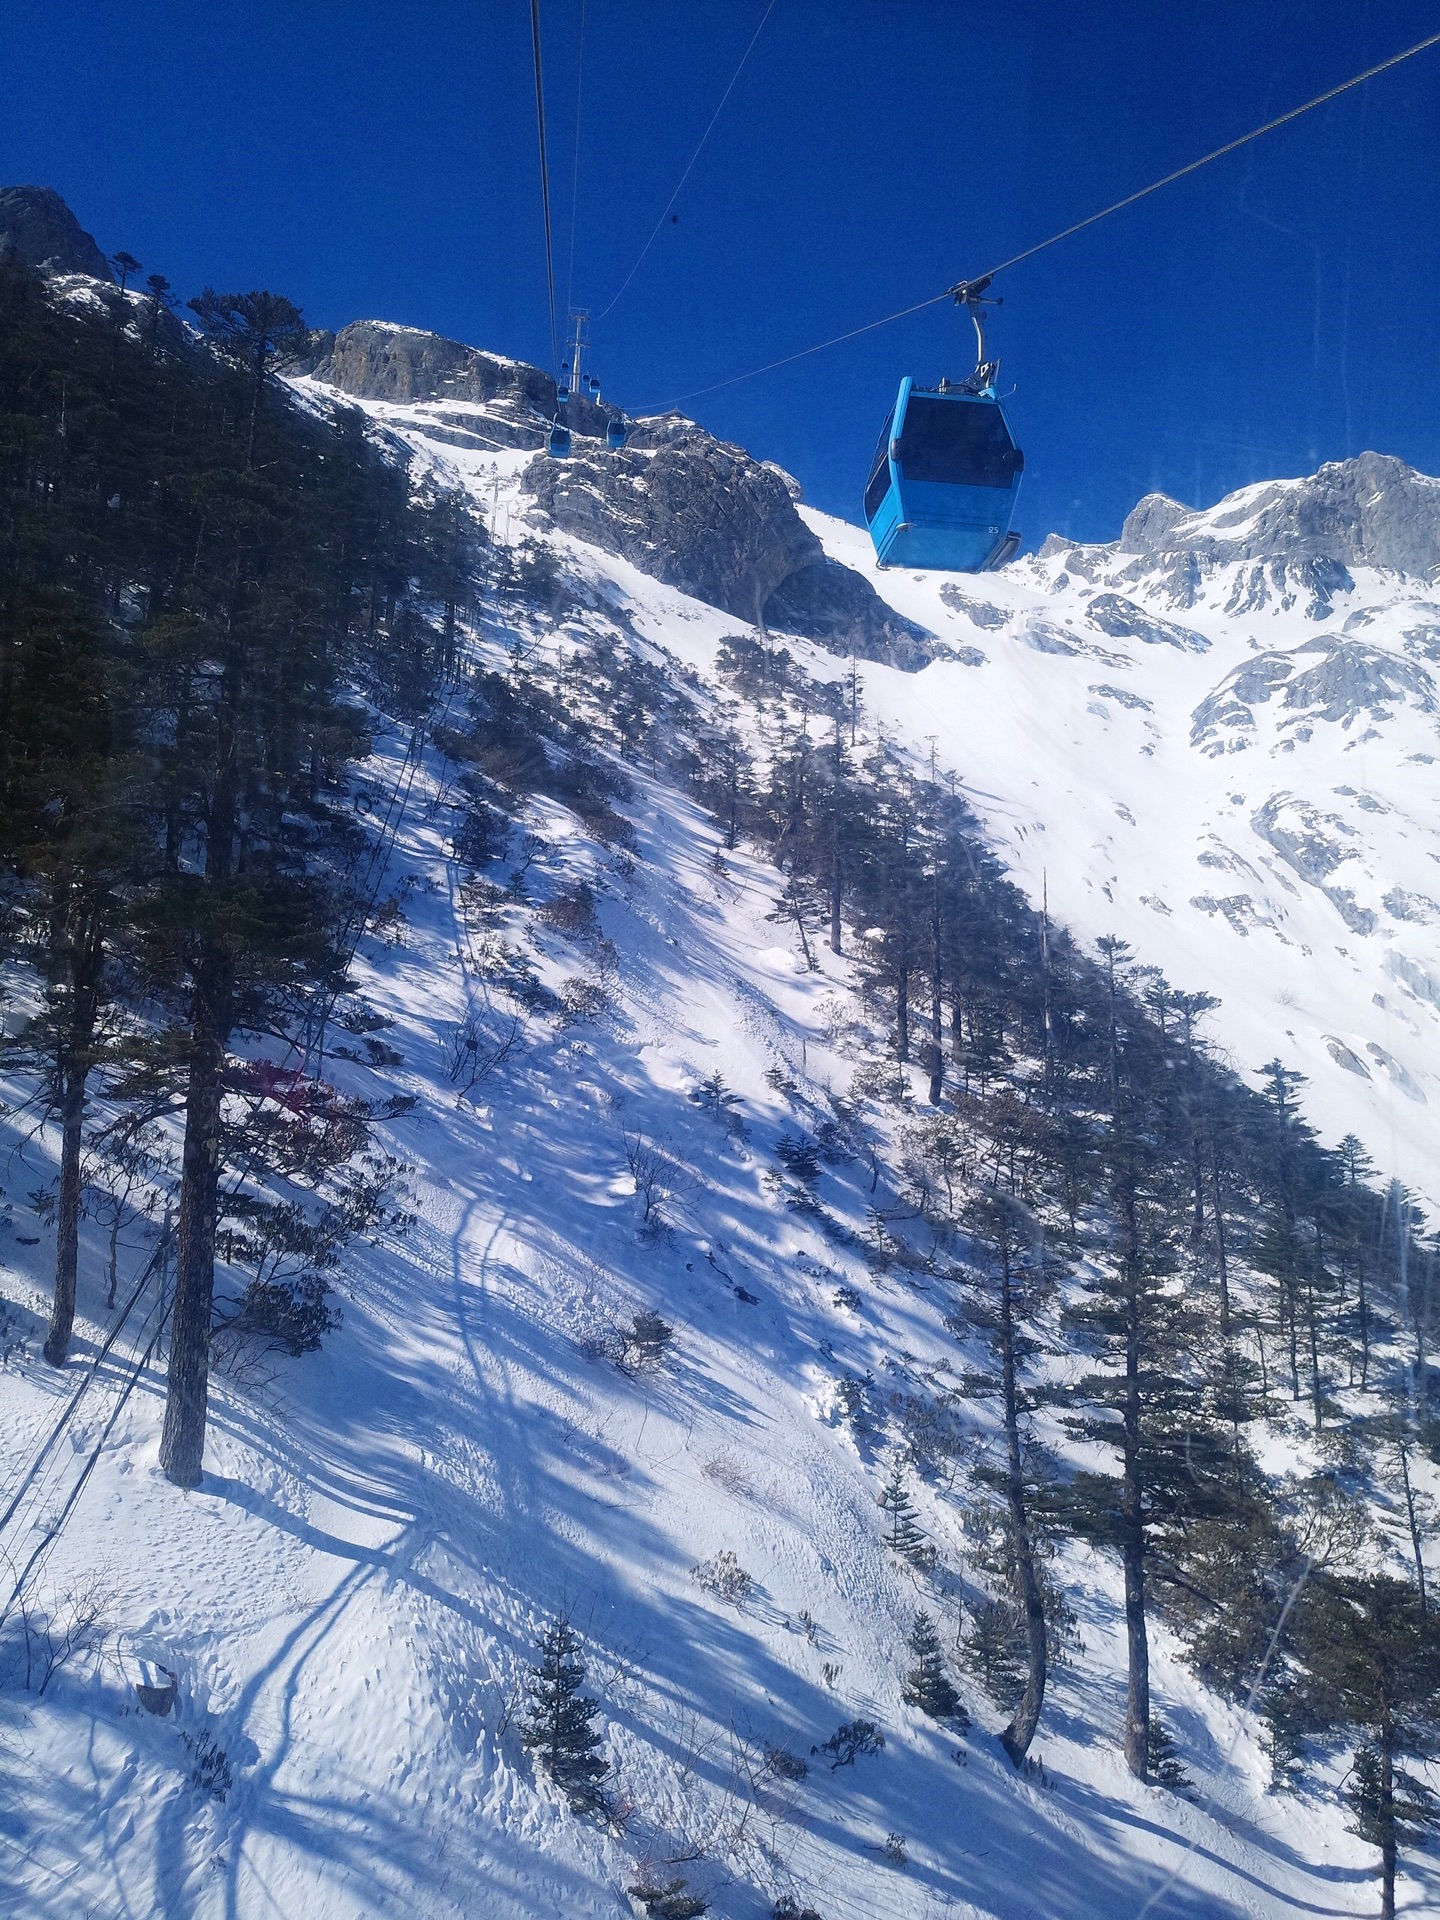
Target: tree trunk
<point>1220,1256</point>
<point>1388,1848</point>
<point>937,1009</point>
<point>85,960</point>
<point>1137,1701</point>
<point>182,1442</point>
<point>1021,1731</point>
<point>67,1214</point>
<point>1412,1521</point>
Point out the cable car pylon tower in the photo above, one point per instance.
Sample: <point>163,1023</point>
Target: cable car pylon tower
<point>574,382</point>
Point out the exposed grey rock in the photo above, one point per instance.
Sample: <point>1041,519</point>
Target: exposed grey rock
<point>1346,1057</point>
<point>1150,523</point>
<point>1296,831</point>
<point>1047,638</point>
<point>1420,980</point>
<point>1399,1076</point>
<point>377,360</point>
<point>1348,678</point>
<point>1112,613</point>
<point>978,612</point>
<point>1359,919</point>
<point>1330,678</point>
<point>704,517</point>
<point>1123,697</point>
<point>1372,510</point>
<point>1284,583</point>
<point>37,227</point>
<point>1403,905</point>
<point>1238,909</point>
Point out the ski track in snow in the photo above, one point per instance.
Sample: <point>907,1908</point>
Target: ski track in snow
<point>350,1596</point>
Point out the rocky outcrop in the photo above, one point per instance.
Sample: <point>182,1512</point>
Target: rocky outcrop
<point>378,360</point>
<point>37,227</point>
<point>1373,510</point>
<point>704,517</point>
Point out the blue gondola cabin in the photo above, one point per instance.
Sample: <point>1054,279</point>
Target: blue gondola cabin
<point>943,482</point>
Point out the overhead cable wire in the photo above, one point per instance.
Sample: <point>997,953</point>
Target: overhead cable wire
<point>575,172</point>
<point>544,178</point>
<point>690,164</point>
<point>1077,226</point>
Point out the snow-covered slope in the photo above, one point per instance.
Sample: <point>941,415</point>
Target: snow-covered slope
<point>1229,763</point>
<point>351,1597</point>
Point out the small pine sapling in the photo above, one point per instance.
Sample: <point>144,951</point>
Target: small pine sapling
<point>645,1343</point>
<point>903,1535</point>
<point>926,1683</point>
<point>556,1724</point>
<point>1163,1755</point>
<point>851,1738</point>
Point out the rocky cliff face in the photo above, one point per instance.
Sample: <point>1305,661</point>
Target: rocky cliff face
<point>376,360</point>
<point>679,504</point>
<point>1371,511</point>
<point>37,227</point>
<point>706,518</point>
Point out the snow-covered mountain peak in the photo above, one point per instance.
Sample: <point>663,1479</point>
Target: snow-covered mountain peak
<point>1372,510</point>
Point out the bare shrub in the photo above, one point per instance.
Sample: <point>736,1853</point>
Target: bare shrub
<point>210,1768</point>
<point>55,1632</point>
<point>659,1178</point>
<point>572,911</point>
<point>727,1471</point>
<point>725,1578</point>
<point>584,996</point>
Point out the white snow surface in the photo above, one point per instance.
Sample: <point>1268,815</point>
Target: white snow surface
<point>383,1527</point>
<point>1283,856</point>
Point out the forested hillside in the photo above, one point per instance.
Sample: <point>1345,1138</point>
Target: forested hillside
<point>554,1183</point>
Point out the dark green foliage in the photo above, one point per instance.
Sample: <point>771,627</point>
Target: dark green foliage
<point>926,1684</point>
<point>556,1722</point>
<point>994,1645</point>
<point>645,1343</point>
<point>902,1531</point>
<point>851,1738</point>
<point>799,1157</point>
<point>1165,1765</point>
<point>198,579</point>
<point>1364,1664</point>
<point>787,1907</point>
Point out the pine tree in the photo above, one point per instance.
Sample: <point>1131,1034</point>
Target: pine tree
<point>556,1726</point>
<point>253,329</point>
<point>999,1306</point>
<point>903,1536</point>
<point>994,1648</point>
<point>926,1684</point>
<point>1367,1663</point>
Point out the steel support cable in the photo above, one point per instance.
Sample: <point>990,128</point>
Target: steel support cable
<point>575,170</point>
<point>1076,226</point>
<point>690,164</point>
<point>53,1531</point>
<point>68,1411</point>
<point>544,178</point>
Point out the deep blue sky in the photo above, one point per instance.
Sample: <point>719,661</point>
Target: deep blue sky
<point>1277,310</point>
